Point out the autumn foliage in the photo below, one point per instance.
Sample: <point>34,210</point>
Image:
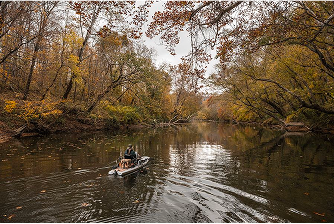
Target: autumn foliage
<point>86,59</point>
<point>275,58</point>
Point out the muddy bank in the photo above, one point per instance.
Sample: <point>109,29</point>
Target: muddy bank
<point>285,126</point>
<point>6,133</point>
<point>14,128</point>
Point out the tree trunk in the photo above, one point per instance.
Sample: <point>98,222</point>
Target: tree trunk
<point>80,53</point>
<point>31,71</point>
<point>52,83</point>
<point>44,18</point>
<point>99,98</point>
<point>69,87</point>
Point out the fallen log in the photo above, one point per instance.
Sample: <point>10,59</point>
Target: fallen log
<point>18,132</point>
<point>296,127</point>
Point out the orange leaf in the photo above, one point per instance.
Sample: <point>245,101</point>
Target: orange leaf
<point>11,216</point>
<point>320,214</point>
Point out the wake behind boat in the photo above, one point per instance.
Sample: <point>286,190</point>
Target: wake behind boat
<point>125,166</point>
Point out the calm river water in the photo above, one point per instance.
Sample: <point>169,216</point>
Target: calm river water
<point>202,172</point>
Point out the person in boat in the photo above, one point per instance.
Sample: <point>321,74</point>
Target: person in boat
<point>131,154</point>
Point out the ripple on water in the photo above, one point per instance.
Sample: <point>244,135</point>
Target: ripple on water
<point>195,177</point>
<point>217,202</point>
<point>209,191</point>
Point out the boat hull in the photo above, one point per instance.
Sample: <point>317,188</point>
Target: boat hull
<point>122,172</point>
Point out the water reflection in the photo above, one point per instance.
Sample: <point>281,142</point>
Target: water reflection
<point>201,172</point>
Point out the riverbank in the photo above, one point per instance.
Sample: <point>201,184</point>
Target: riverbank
<point>284,126</point>
<point>17,128</point>
<point>14,127</point>
<point>19,119</point>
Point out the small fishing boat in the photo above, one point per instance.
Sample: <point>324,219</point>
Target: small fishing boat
<point>125,166</point>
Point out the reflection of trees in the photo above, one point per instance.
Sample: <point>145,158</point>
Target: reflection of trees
<point>287,167</point>
<point>255,146</point>
<point>260,146</point>
<point>56,153</point>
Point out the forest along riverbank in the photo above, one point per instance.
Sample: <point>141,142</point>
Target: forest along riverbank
<point>16,128</point>
<point>13,127</point>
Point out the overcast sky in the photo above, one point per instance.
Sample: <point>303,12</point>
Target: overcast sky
<point>162,54</point>
<point>182,49</point>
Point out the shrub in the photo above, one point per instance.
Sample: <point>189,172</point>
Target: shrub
<point>10,106</point>
<point>123,114</point>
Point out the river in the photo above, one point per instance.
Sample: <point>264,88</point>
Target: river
<point>200,172</point>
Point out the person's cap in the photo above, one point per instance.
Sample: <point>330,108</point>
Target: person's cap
<point>129,145</point>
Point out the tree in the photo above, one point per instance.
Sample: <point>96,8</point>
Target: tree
<point>89,13</point>
<point>122,63</point>
<point>14,22</point>
<point>153,93</point>
<point>279,83</point>
<point>253,41</point>
<point>186,98</point>
<point>16,18</point>
<point>46,9</point>
<point>236,27</point>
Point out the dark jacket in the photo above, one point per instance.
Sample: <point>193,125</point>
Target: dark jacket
<point>129,154</point>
